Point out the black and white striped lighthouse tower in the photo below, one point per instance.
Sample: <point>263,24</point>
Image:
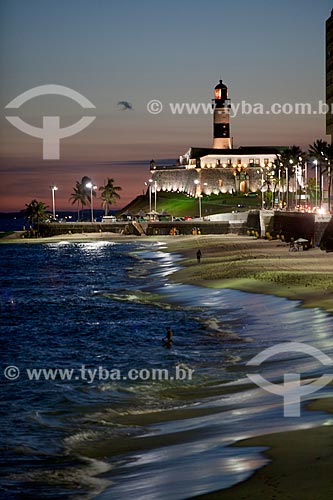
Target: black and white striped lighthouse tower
<point>221,106</point>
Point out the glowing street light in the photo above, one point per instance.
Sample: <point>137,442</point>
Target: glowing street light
<point>53,189</point>
<point>299,179</point>
<point>287,183</point>
<point>149,184</point>
<point>90,186</point>
<point>279,177</point>
<point>155,191</point>
<point>316,189</point>
<point>197,183</point>
<point>262,187</point>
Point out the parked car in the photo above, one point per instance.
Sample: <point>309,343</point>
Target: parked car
<point>109,218</point>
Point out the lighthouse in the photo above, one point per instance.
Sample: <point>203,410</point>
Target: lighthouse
<point>221,106</point>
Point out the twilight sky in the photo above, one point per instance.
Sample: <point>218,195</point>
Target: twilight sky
<point>266,51</point>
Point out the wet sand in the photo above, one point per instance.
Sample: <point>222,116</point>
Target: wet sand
<point>256,266</point>
<point>16,238</point>
<point>299,468</point>
<point>300,460</point>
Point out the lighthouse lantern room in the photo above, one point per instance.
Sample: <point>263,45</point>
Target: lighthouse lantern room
<point>221,106</point>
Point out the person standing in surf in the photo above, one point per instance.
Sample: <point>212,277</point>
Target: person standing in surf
<point>168,340</point>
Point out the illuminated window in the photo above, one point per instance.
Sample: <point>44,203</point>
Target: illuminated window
<point>217,93</point>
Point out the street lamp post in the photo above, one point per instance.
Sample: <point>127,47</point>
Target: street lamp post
<point>287,182</point>
<point>287,188</point>
<point>329,187</point>
<point>316,187</point>
<point>197,183</point>
<point>90,186</point>
<point>53,189</point>
<point>306,176</point>
<point>149,183</point>
<point>155,188</point>
<point>262,187</point>
<point>298,182</point>
<point>279,175</point>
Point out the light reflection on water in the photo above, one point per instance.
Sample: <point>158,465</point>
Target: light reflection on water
<point>63,313</point>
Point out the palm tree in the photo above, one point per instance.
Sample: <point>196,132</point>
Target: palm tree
<point>288,159</point>
<point>78,196</point>
<point>318,151</point>
<point>81,194</point>
<point>312,189</point>
<point>35,212</point>
<point>278,181</point>
<point>275,182</point>
<point>109,194</point>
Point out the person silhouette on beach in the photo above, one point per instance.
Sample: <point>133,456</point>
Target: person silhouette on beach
<point>199,256</point>
<point>168,340</point>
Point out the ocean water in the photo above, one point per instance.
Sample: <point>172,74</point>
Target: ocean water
<point>109,428</point>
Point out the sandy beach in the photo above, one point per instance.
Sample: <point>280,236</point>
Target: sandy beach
<point>257,266</point>
<point>299,468</point>
<point>16,237</point>
<point>300,460</point>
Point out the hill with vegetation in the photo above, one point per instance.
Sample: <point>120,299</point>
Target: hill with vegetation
<point>181,205</point>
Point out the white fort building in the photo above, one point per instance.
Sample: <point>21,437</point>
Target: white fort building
<point>220,168</point>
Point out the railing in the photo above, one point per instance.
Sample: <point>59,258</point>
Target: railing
<point>167,167</point>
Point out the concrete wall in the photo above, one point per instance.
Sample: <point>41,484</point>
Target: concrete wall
<point>290,224</point>
<point>164,228</point>
<point>52,229</point>
<point>212,180</point>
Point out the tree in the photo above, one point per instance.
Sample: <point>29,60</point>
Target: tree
<point>287,161</point>
<point>81,194</point>
<point>275,183</point>
<point>277,180</point>
<point>78,196</point>
<point>109,194</point>
<point>318,151</point>
<point>312,189</point>
<point>35,212</point>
